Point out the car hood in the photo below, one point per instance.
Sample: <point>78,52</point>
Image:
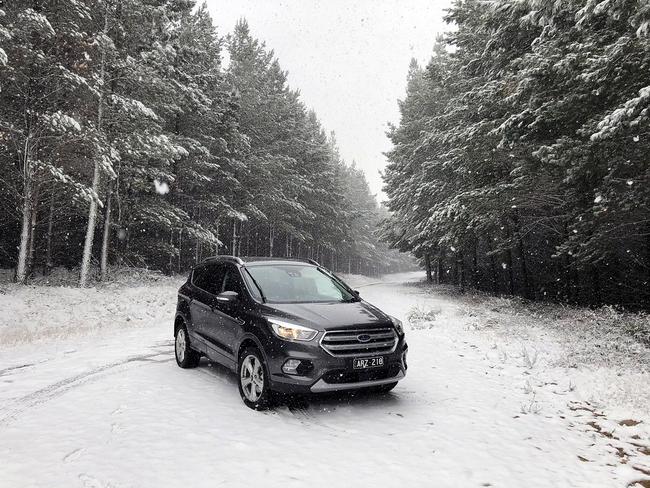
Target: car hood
<point>324,316</point>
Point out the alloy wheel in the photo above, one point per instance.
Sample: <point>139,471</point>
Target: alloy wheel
<point>181,343</point>
<point>252,378</point>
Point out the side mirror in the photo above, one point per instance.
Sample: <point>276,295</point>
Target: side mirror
<point>356,293</point>
<point>228,298</point>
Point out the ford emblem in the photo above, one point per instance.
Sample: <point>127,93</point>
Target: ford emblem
<point>363,338</point>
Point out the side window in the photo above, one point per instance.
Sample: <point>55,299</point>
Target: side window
<point>209,278</point>
<point>200,277</point>
<point>231,281</point>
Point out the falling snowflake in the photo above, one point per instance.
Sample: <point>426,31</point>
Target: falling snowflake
<point>162,188</point>
<point>630,182</point>
<point>453,248</point>
<point>635,138</point>
<point>504,265</point>
<point>598,199</point>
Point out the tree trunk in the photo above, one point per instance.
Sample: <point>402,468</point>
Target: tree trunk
<point>427,265</point>
<point>217,225</point>
<point>106,235</point>
<point>475,271</point>
<point>461,271</point>
<point>596,298</point>
<point>48,248</point>
<point>434,270</point>
<point>454,269</point>
<point>493,268</point>
<point>524,269</point>
<point>522,255</point>
<point>511,276</point>
<point>567,281</point>
<point>170,265</point>
<point>234,238</point>
<point>32,231</point>
<point>180,248</point>
<point>647,264</point>
<point>271,238</point>
<point>21,268</point>
<point>92,212</point>
<point>240,237</point>
<point>90,229</point>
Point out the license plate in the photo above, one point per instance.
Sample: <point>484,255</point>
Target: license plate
<point>366,363</point>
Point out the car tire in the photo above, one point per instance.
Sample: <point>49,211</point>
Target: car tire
<point>253,380</point>
<point>385,388</point>
<point>186,357</point>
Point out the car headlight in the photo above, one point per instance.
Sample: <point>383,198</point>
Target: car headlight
<point>398,325</point>
<point>292,332</point>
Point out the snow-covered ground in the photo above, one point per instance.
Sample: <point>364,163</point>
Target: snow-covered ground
<point>90,396</point>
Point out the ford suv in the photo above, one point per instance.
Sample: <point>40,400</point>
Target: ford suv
<point>285,326</point>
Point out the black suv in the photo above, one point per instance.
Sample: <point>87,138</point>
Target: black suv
<point>285,326</point>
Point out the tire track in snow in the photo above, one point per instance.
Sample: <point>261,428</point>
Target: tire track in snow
<point>72,455</point>
<point>12,369</point>
<point>303,416</point>
<point>19,405</point>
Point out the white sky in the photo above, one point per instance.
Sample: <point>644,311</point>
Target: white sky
<point>348,58</point>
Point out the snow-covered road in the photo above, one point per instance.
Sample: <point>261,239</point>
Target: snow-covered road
<point>477,409</point>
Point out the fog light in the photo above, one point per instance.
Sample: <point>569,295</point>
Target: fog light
<point>291,366</point>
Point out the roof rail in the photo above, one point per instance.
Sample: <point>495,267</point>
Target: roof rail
<point>240,261</point>
<point>225,257</point>
<point>304,260</point>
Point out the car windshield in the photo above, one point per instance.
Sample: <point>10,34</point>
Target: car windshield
<point>294,283</point>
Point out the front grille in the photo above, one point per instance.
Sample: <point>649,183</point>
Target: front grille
<point>339,376</point>
<point>355,342</point>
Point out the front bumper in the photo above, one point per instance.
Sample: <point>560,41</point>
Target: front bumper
<point>322,386</point>
<point>330,373</point>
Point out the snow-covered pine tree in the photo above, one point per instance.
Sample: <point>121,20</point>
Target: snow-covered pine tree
<point>138,93</point>
<point>40,118</point>
<point>138,135</point>
<point>204,122</point>
<point>530,172</point>
<point>269,112</point>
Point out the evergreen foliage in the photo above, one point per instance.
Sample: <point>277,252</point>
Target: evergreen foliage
<point>520,162</point>
<point>124,140</point>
